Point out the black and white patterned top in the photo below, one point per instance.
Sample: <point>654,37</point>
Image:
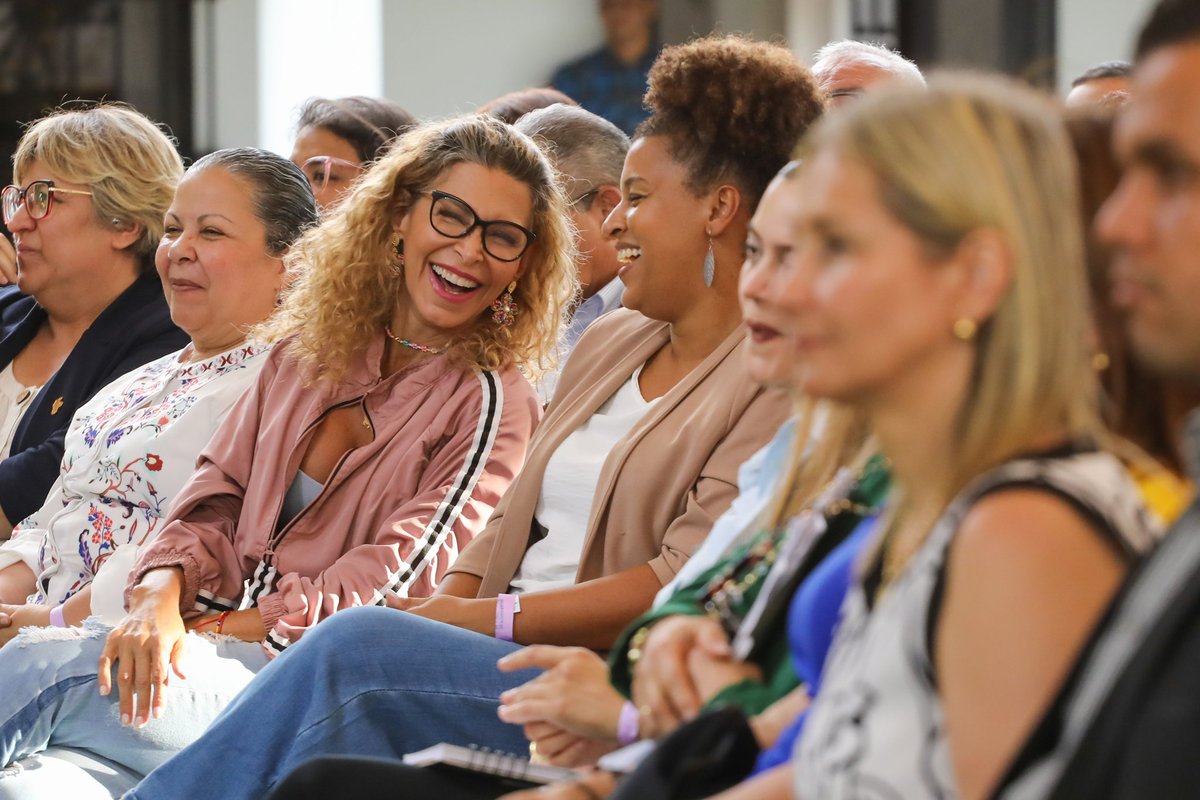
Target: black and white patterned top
<point>875,730</point>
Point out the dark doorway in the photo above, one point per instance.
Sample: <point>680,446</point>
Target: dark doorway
<point>63,51</point>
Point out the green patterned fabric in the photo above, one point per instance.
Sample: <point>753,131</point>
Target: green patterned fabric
<point>779,678</point>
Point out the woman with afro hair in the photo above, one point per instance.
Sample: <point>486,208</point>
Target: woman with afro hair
<point>635,460</point>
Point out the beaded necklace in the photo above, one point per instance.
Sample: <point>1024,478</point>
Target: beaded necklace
<point>423,348</point>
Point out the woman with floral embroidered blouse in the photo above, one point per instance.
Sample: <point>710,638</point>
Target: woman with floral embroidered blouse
<point>131,449</point>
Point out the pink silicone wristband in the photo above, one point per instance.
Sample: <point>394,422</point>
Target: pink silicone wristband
<point>56,617</point>
<point>628,724</point>
<point>506,609</point>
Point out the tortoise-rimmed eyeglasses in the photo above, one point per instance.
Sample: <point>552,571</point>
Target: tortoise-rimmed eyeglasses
<point>37,197</point>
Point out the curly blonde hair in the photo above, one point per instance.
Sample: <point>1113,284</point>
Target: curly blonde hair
<point>344,289</point>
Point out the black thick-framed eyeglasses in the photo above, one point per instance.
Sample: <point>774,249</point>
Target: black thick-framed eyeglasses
<point>502,240</point>
<point>37,197</point>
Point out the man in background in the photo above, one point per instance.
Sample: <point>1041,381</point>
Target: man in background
<point>611,81</point>
<point>588,152</point>
<point>1104,85</point>
<point>845,69</point>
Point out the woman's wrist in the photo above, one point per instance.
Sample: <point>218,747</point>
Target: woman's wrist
<point>629,724</point>
<point>157,586</point>
<point>31,616</point>
<point>507,608</point>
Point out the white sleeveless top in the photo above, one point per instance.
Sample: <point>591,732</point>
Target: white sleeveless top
<point>875,730</point>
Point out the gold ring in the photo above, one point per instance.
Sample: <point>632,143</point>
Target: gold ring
<point>533,753</point>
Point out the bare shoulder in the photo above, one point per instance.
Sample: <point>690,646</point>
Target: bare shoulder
<point>1025,533</point>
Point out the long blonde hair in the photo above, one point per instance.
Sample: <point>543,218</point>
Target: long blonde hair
<point>974,152</point>
<point>345,290</point>
<point>829,437</point>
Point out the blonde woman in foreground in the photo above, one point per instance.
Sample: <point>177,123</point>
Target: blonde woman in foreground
<point>946,297</point>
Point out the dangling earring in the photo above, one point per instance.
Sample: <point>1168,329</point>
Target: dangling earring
<point>397,264</point>
<point>710,265</point>
<point>504,309</point>
<point>1100,361</point>
<point>965,329</point>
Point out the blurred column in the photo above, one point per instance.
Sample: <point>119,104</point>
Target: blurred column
<point>314,47</point>
<point>813,23</point>
<point>1091,31</point>
<point>224,76</point>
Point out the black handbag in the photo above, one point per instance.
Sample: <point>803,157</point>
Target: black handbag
<point>707,755</point>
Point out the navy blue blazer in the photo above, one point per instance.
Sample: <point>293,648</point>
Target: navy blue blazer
<point>135,329</point>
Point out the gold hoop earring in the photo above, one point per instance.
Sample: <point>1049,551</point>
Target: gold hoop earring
<point>965,329</point>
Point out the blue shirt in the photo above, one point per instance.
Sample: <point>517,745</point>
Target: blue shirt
<point>606,298</point>
<point>812,621</point>
<point>607,87</point>
<point>756,485</point>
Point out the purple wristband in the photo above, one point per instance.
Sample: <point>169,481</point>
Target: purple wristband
<point>628,724</point>
<point>56,617</point>
<point>507,607</point>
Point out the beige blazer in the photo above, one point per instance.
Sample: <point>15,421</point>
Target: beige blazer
<point>663,484</point>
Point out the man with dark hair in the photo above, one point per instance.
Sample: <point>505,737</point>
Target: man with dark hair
<point>1105,84</point>
<point>610,81</point>
<point>1127,722</point>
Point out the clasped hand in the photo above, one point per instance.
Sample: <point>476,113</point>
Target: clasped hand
<point>684,663</point>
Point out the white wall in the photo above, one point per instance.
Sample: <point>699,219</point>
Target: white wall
<point>313,48</point>
<point>810,24</point>
<point>760,18</point>
<point>1091,31</point>
<point>225,77</point>
<point>451,56</point>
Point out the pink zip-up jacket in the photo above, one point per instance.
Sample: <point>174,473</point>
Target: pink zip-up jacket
<point>393,514</point>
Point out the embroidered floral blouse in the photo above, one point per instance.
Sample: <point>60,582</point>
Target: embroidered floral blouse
<point>128,452</point>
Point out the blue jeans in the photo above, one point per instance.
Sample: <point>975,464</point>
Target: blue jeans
<point>48,697</point>
<point>368,681</point>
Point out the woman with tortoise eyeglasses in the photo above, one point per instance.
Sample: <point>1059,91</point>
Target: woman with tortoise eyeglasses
<point>85,217</point>
<point>36,198</point>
